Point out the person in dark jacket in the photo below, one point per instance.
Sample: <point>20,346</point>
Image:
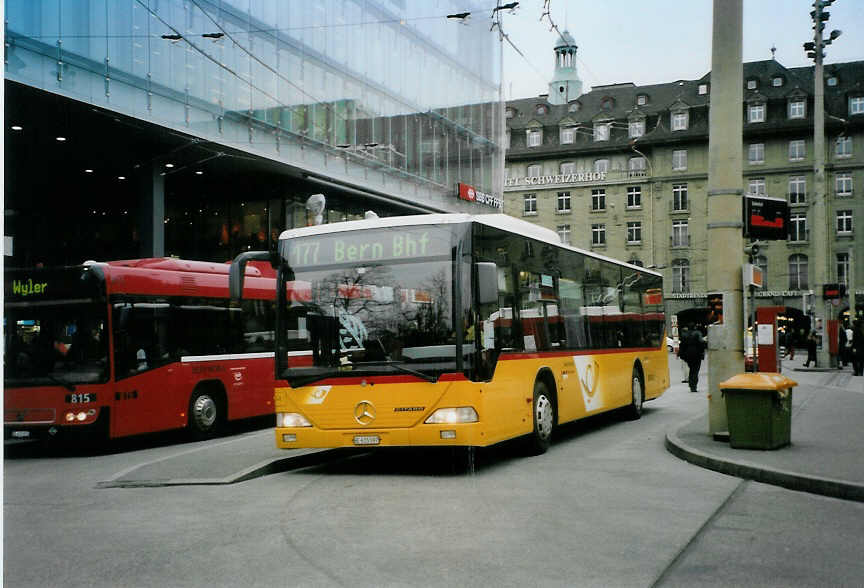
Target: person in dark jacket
<point>858,348</point>
<point>811,349</point>
<point>692,351</point>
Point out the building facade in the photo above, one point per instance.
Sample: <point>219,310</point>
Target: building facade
<point>623,170</point>
<point>199,128</point>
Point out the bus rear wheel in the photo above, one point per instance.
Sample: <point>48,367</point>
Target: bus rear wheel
<point>543,411</point>
<point>637,393</point>
<point>204,415</point>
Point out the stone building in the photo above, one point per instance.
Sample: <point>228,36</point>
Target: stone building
<point>622,170</point>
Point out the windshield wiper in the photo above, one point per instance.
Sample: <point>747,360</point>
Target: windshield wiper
<point>68,385</point>
<point>398,365</point>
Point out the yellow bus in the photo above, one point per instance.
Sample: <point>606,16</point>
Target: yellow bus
<point>454,329</point>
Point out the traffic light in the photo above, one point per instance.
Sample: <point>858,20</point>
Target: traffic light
<point>810,48</point>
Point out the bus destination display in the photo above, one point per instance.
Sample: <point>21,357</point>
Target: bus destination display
<point>402,244</point>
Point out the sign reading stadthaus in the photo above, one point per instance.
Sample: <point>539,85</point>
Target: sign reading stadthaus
<point>556,179</point>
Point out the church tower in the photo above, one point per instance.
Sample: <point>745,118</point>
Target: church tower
<point>565,85</point>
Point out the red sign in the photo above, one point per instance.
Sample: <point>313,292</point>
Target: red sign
<point>470,194</point>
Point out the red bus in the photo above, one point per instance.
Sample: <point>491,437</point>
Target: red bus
<point>136,346</point>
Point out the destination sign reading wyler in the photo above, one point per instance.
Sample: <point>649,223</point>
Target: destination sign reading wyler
<point>404,243</point>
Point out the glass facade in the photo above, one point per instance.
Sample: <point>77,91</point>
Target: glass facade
<point>384,95</point>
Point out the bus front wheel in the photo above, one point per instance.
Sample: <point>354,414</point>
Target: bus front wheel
<point>543,411</point>
<point>204,414</point>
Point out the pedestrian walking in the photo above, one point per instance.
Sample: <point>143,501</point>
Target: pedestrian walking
<point>811,349</point>
<point>858,348</point>
<point>682,345</point>
<point>788,345</point>
<point>846,344</point>
<point>693,353</point>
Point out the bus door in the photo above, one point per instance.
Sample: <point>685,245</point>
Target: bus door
<point>145,397</point>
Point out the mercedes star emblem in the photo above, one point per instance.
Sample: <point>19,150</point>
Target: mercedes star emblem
<point>364,412</point>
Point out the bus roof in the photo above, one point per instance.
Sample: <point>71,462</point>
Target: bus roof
<point>501,221</point>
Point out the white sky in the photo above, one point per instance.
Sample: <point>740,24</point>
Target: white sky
<point>658,41</point>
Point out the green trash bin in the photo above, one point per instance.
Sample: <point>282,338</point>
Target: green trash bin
<point>758,410</point>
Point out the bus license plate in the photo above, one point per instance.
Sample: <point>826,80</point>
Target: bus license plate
<point>21,434</point>
<point>367,439</point>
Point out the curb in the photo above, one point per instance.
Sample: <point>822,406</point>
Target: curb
<point>834,488</point>
<point>264,468</point>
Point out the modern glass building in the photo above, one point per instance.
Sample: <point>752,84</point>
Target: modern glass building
<point>199,128</point>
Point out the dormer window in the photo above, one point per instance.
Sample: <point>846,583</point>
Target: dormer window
<point>797,107</point>
<point>601,131</point>
<point>703,89</point>
<point>534,137</point>
<point>680,120</point>
<point>751,84</point>
<point>832,81</point>
<point>607,104</point>
<point>641,100</point>
<point>636,128</point>
<point>541,109</point>
<point>777,81</point>
<point>510,113</point>
<point>574,107</point>
<point>756,113</point>
<point>567,135</point>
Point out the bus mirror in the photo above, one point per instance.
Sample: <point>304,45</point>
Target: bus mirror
<point>238,270</point>
<point>487,282</point>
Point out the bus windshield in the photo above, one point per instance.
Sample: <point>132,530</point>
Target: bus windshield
<point>55,342</point>
<point>368,302</point>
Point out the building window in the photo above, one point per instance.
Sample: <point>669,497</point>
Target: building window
<point>636,167</point>
<point>777,81</point>
<point>641,99</point>
<point>541,109</point>
<point>756,153</point>
<point>703,89</point>
<point>679,121</point>
<point>601,165</point>
<point>574,107</point>
<point>797,150</point>
<point>798,227</point>
<point>843,268</point>
<point>533,171</point>
<point>637,262</point>
<point>634,232</point>
<point>530,204</point>
<point>598,234</point>
<point>798,272</point>
<point>844,222</point>
<point>679,197</point>
<point>601,132</point>
<point>797,190</point>
<point>762,264</point>
<point>756,113</point>
<point>598,199</point>
<point>797,108</point>
<point>843,184</point>
<point>751,84</point>
<point>563,202</point>
<point>636,128</point>
<point>535,137</point>
<point>756,186</point>
<point>843,147</point>
<point>567,135</point>
<point>680,236</point>
<point>634,197</point>
<point>509,113</point>
<point>679,159</point>
<point>680,275</point>
<point>507,139</point>
<point>564,233</point>
<point>856,105</point>
<point>568,167</point>
<point>832,81</point>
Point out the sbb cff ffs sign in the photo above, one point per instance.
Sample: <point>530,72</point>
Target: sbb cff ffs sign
<point>766,218</point>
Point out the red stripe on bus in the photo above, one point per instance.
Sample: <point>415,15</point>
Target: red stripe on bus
<point>544,354</point>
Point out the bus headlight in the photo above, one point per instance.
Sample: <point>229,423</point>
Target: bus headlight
<point>460,414</point>
<point>291,419</point>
